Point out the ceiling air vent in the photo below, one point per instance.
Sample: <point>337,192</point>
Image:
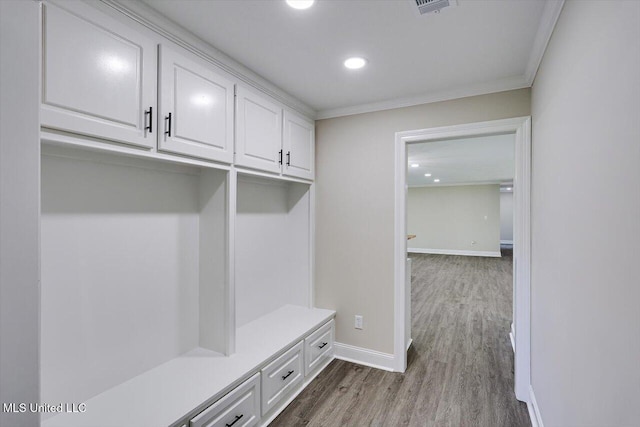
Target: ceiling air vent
<point>433,6</point>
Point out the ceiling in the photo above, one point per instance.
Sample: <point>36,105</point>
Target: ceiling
<point>486,159</point>
<point>480,46</point>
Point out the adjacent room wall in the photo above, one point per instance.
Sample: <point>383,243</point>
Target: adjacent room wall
<point>355,206</point>
<point>586,218</point>
<point>461,219</point>
<point>506,217</point>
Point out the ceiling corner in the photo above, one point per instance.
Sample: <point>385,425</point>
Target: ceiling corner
<point>550,15</point>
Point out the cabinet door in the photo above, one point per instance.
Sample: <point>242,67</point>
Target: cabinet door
<point>98,76</point>
<point>196,109</point>
<point>299,145</point>
<point>258,132</point>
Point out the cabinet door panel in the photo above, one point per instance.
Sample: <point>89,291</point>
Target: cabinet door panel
<point>201,106</point>
<point>258,132</point>
<point>299,146</point>
<point>98,80</point>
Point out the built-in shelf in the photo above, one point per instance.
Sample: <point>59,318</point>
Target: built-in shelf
<point>164,395</point>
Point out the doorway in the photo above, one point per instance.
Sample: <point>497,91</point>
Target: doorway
<point>521,127</point>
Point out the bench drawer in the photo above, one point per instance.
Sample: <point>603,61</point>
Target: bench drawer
<point>281,376</point>
<point>319,347</point>
<point>239,408</point>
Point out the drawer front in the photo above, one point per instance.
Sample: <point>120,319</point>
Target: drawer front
<point>318,347</point>
<point>239,408</point>
<point>281,376</point>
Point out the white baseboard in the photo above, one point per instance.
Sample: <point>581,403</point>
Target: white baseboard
<point>512,337</point>
<point>364,356</point>
<point>409,343</point>
<point>454,252</point>
<point>506,242</point>
<point>534,411</point>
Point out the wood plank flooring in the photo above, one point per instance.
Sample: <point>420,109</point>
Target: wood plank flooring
<point>460,366</point>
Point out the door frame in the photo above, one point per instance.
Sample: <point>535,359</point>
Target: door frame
<point>521,127</point>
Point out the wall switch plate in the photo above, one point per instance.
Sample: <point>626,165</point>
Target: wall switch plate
<point>359,322</point>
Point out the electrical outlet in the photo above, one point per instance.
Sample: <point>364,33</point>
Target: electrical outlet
<point>359,322</point>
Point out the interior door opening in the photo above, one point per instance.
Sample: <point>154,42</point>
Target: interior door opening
<point>407,173</point>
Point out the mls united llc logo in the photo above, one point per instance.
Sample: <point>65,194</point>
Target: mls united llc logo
<point>44,407</point>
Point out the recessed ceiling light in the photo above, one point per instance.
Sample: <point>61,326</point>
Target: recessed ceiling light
<point>427,174</point>
<point>355,62</point>
<point>436,180</point>
<point>300,4</point>
<point>509,189</point>
<point>414,165</point>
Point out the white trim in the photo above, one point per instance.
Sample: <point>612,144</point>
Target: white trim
<point>272,176</point>
<point>512,338</point>
<point>534,410</point>
<point>484,88</point>
<point>548,20</point>
<point>66,140</point>
<point>521,126</point>
<point>409,343</point>
<point>506,242</point>
<point>454,252</point>
<point>364,356</point>
<point>550,15</point>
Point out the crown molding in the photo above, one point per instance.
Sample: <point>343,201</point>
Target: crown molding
<point>550,15</point>
<point>500,85</point>
<point>160,24</point>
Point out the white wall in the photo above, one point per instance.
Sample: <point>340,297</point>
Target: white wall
<point>506,216</point>
<point>355,206</point>
<point>586,218</point>
<point>120,277</point>
<point>19,210</point>
<point>454,218</point>
<point>272,247</point>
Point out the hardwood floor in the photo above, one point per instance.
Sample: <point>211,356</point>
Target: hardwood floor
<point>460,366</point>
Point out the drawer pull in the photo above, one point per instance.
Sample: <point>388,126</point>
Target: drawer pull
<point>323,344</point>
<point>168,118</point>
<point>284,377</point>
<point>235,421</point>
<point>150,113</point>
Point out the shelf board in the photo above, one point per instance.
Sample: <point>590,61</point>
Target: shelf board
<point>189,383</point>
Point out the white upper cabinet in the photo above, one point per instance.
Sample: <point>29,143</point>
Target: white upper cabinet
<point>272,140</point>
<point>299,146</point>
<point>196,109</point>
<point>258,132</point>
<point>98,76</point>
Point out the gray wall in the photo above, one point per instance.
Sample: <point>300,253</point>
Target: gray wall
<point>586,218</point>
<point>506,216</point>
<point>19,210</point>
<point>454,217</point>
<point>355,204</point>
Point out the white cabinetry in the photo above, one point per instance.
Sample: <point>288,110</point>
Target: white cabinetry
<point>272,139</point>
<point>318,347</point>
<point>299,146</point>
<point>99,76</point>
<point>258,132</point>
<point>281,376</point>
<point>239,408</point>
<point>196,109</point>
<point>187,275</point>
